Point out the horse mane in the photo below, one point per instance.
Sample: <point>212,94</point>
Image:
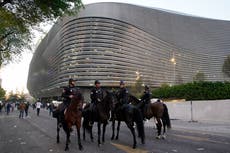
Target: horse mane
<point>133,100</point>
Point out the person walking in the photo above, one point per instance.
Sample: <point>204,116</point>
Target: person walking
<point>21,109</point>
<point>27,108</point>
<point>38,107</point>
<point>8,106</point>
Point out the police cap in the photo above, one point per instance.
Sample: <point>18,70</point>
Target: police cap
<point>97,82</point>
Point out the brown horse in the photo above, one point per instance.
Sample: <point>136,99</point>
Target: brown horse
<point>158,110</point>
<point>73,115</point>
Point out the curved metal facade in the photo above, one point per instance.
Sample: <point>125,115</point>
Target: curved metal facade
<point>114,41</point>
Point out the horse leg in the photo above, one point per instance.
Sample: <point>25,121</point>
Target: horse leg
<point>113,129</point>
<point>58,130</point>
<point>103,134</point>
<point>67,139</point>
<point>164,129</point>
<point>99,133</point>
<point>91,133</point>
<point>159,125</point>
<point>132,129</point>
<point>118,129</point>
<point>79,137</point>
<point>83,133</point>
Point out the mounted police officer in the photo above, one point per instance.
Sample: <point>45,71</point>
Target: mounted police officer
<point>122,97</point>
<point>67,94</point>
<point>122,93</point>
<point>96,93</point>
<point>96,96</point>
<point>146,99</point>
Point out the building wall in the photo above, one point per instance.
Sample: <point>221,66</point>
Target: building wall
<point>212,110</point>
<point>113,42</point>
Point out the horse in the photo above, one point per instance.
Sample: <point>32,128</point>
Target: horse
<point>72,116</point>
<point>128,114</point>
<point>101,116</point>
<point>158,110</point>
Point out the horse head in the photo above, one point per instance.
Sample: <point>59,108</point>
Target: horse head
<point>109,99</point>
<point>133,100</point>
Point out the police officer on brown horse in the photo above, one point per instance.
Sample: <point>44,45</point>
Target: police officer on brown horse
<point>67,93</point>
<point>96,96</point>
<point>145,99</point>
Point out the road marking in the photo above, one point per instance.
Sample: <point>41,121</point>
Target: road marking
<point>195,138</point>
<point>128,149</point>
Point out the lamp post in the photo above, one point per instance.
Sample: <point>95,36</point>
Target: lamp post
<point>173,60</point>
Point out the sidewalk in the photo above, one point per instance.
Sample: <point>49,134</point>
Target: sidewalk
<point>215,128</point>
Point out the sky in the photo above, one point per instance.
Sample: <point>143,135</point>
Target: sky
<point>14,75</point>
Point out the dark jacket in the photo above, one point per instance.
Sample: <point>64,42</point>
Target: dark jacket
<point>96,95</point>
<point>67,91</point>
<point>122,95</point>
<point>146,98</point>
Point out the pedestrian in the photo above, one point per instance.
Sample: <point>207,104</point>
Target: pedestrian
<point>8,106</point>
<point>21,108</point>
<point>38,106</point>
<point>27,108</point>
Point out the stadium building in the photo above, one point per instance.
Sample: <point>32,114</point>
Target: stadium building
<point>115,41</point>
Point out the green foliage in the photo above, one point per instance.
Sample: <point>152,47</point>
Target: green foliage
<point>2,93</point>
<point>199,77</point>
<point>18,16</point>
<point>226,66</point>
<point>13,97</point>
<point>137,88</point>
<point>195,91</point>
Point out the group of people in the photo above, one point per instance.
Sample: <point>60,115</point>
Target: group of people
<point>97,95</point>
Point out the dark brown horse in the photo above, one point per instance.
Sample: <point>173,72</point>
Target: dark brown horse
<point>130,115</point>
<point>101,115</point>
<point>72,117</point>
<point>158,110</point>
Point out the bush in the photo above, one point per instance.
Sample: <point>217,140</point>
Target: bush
<point>195,91</point>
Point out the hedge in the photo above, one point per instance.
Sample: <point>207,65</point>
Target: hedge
<point>195,91</point>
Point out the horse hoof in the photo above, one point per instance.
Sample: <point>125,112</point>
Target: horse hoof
<point>112,138</point>
<point>143,141</point>
<point>81,147</point>
<point>158,137</point>
<point>134,146</point>
<point>66,149</point>
<point>99,145</point>
<point>163,137</point>
<point>116,138</point>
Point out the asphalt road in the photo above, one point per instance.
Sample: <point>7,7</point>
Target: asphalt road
<point>37,134</point>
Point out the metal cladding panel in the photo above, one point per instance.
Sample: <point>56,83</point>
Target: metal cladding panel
<point>114,41</point>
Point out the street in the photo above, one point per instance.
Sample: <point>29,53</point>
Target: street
<point>37,134</point>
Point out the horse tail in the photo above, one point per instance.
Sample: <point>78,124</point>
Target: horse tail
<point>139,122</point>
<point>166,116</point>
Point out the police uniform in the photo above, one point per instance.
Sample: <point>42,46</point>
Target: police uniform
<point>146,98</point>
<point>96,95</point>
<point>123,95</point>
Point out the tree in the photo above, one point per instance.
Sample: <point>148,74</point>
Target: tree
<point>199,77</point>
<point>2,93</point>
<point>226,66</point>
<point>17,17</point>
<point>137,88</point>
